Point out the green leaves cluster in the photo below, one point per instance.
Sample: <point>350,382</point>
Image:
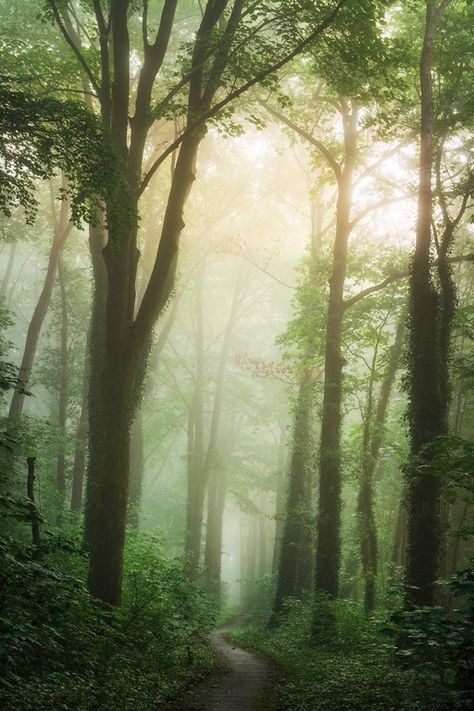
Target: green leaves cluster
<point>42,136</point>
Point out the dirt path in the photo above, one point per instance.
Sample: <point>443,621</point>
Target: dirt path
<point>242,681</point>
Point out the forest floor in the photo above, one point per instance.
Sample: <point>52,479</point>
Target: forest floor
<point>242,680</point>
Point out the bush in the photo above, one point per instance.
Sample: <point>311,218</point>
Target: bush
<point>61,650</point>
<point>348,663</point>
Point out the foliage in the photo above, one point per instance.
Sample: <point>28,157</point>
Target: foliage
<point>61,650</point>
<point>350,665</point>
<point>39,136</point>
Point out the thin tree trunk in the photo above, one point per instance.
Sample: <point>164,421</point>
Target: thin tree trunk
<point>202,464</point>
<point>251,562</point>
<point>137,465</point>
<point>79,466</point>
<point>63,392</point>
<point>262,541</point>
<point>30,489</point>
<point>328,546</point>
<point>61,233</point>
<point>374,427</point>
<point>399,543</point>
<point>296,547</point>
<point>214,531</point>
<point>195,461</point>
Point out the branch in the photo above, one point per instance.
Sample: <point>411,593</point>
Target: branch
<point>74,48</point>
<point>308,137</point>
<point>375,206</point>
<point>370,169</point>
<point>104,31</point>
<point>396,276</point>
<point>261,76</point>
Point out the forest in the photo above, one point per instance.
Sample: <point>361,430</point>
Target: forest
<point>236,355</point>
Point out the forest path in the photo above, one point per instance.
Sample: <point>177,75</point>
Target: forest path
<point>242,681</point>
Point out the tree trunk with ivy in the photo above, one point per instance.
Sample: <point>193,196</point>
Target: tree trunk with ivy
<point>328,546</point>
<point>427,412</point>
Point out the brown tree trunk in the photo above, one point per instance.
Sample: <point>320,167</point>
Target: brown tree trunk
<point>200,464</point>
<point>196,484</point>
<point>62,392</point>
<point>214,530</point>
<point>296,547</point>
<point>79,466</point>
<point>262,541</point>
<point>373,437</point>
<point>95,347</point>
<point>427,414</point>
<point>399,543</point>
<point>61,233</point>
<point>30,490</point>
<point>136,469</point>
<point>251,561</point>
<point>328,545</point>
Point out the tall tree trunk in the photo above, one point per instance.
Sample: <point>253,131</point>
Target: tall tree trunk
<point>214,531</point>
<point>136,468</point>
<point>426,413</point>
<point>373,437</point>
<point>110,450</point>
<point>203,463</point>
<point>400,540</point>
<point>280,496</point>
<point>196,485</point>
<point>61,233</point>
<point>79,466</point>
<point>296,539</point>
<point>251,561</point>
<point>328,546</point>
<point>62,391</point>
<point>95,347</point>
<point>296,547</point>
<point>262,541</point>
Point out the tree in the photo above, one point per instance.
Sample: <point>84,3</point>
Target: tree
<point>430,319</point>
<point>219,38</point>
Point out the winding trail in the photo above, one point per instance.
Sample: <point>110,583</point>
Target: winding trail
<point>242,681</point>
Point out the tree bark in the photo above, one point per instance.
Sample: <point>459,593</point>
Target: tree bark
<point>35,529</point>
<point>200,463</point>
<point>214,530</point>
<point>374,426</point>
<point>61,233</point>
<point>328,546</point>
<point>399,543</point>
<point>426,413</point>
<point>136,468</point>
<point>79,466</point>
<point>95,348</point>
<point>62,392</point>
<point>296,547</point>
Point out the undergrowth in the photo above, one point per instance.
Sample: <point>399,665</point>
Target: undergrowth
<point>352,662</point>
<point>60,650</point>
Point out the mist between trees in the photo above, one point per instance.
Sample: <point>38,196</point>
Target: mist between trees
<point>236,350</point>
